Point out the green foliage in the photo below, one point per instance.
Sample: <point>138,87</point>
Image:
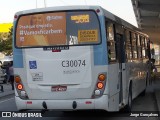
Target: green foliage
<point>6,42</point>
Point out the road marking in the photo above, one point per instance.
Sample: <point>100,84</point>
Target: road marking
<point>5,100</point>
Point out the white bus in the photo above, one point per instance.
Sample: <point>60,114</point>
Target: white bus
<point>77,57</point>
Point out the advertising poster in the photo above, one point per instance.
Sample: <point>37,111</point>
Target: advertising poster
<point>41,29</point>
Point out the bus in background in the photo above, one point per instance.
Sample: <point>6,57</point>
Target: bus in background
<point>79,57</point>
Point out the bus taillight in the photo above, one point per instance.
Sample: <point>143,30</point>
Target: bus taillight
<point>17,79</point>
<point>19,86</point>
<point>102,77</point>
<point>100,85</point>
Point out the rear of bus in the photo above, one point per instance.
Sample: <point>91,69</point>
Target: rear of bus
<point>60,59</point>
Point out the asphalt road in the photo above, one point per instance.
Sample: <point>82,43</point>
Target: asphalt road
<point>141,103</point>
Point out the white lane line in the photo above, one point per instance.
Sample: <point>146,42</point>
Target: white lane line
<point>6,100</point>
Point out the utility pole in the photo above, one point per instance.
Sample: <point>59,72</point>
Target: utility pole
<point>44,3</point>
<point>36,3</point>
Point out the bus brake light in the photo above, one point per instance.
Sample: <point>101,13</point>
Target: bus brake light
<point>19,86</point>
<point>100,85</point>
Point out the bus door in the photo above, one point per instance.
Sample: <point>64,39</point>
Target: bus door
<point>120,57</point>
<point>113,67</point>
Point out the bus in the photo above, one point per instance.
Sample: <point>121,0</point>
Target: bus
<point>77,58</point>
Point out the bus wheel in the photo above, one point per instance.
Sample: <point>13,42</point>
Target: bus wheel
<point>144,91</point>
<point>129,106</point>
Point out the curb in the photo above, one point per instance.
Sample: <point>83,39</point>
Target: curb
<point>157,98</point>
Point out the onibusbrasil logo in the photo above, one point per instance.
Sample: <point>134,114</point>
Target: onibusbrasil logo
<point>18,114</point>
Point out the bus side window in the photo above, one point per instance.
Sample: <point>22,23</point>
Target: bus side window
<point>134,45</point>
<point>111,43</point>
<point>146,47</point>
<point>128,46</point>
<point>143,48</point>
<point>139,47</point>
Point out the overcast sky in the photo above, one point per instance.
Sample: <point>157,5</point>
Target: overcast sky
<point>121,8</point>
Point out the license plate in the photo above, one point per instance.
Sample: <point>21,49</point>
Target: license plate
<point>58,88</point>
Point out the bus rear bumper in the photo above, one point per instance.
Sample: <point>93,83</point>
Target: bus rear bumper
<point>75,104</point>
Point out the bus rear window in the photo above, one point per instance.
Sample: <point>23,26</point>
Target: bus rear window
<point>57,28</point>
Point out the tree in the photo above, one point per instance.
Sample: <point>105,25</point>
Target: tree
<point>6,44</point>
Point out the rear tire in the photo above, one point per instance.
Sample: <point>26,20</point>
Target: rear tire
<point>144,91</point>
<point>129,105</point>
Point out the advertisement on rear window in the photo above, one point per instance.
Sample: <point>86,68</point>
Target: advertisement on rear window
<point>40,29</point>
<point>58,29</point>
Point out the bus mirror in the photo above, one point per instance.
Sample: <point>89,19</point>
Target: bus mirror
<point>152,51</point>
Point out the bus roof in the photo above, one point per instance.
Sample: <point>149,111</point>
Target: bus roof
<point>104,12</point>
<point>58,8</point>
<point>119,20</point>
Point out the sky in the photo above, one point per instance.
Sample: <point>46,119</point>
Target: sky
<point>121,8</point>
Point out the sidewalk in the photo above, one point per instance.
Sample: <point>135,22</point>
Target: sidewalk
<point>156,87</point>
<point>7,90</point>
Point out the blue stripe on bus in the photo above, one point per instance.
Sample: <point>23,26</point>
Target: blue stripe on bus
<point>17,54</point>
<point>100,51</point>
<point>18,58</point>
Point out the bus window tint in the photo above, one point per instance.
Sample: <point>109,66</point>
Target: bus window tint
<point>128,46</point>
<point>143,47</point>
<point>134,45</point>
<point>139,47</point>
<point>111,43</point>
<point>58,28</point>
<point>83,28</point>
<point>146,47</point>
